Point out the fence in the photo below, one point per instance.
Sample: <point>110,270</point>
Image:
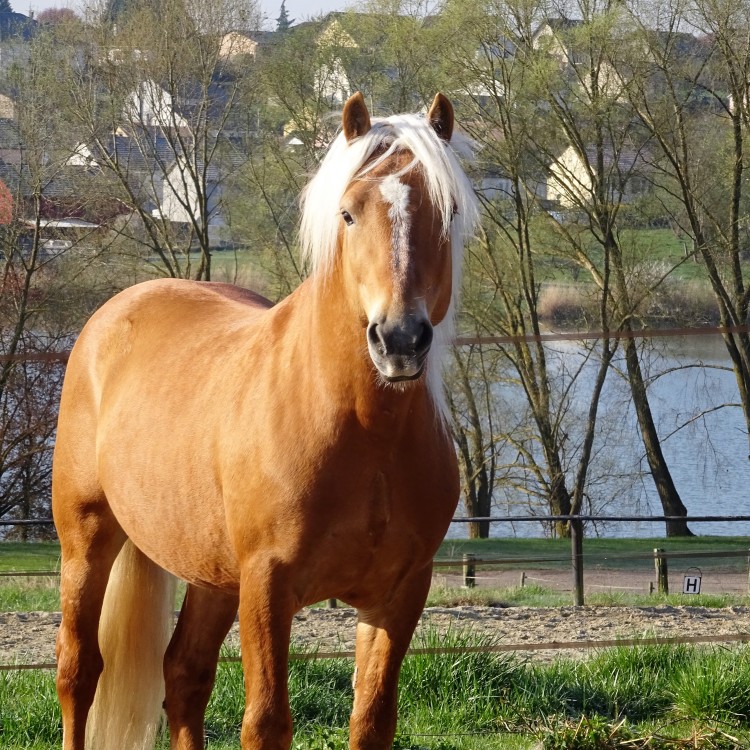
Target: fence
<point>469,563</point>
<point>660,556</point>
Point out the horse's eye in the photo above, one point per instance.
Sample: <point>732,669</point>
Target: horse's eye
<point>347,217</point>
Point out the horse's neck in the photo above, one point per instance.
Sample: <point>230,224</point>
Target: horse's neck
<point>335,333</point>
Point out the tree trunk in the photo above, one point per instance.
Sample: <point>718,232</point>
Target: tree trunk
<point>670,498</point>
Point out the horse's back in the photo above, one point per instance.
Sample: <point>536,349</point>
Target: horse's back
<point>162,310</point>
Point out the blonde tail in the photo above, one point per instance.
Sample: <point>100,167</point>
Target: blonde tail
<point>134,631</point>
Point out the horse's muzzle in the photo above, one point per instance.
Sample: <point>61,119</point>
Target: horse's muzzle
<point>399,348</point>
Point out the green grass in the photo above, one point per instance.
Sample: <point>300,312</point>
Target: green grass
<point>29,594</point>
<point>26,556</point>
<point>470,701</point>
<point>601,553</point>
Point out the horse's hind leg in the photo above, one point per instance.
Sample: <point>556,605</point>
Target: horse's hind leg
<point>90,539</point>
<point>190,663</point>
<point>383,636</point>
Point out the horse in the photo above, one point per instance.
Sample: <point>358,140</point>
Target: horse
<point>270,456</point>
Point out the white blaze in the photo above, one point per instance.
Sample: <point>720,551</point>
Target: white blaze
<point>396,193</point>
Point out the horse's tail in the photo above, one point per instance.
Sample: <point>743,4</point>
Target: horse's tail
<point>134,632</point>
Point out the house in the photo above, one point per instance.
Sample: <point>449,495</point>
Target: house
<point>11,145</point>
<point>16,26</point>
<point>150,106</point>
<point>153,153</point>
<point>332,78</point>
<point>571,176</point>
<point>555,36</point>
<point>236,44</point>
<point>7,108</point>
<point>564,39</point>
<point>16,31</point>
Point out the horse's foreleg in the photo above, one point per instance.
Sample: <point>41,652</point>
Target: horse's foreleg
<point>190,663</point>
<point>266,612</point>
<point>383,636</point>
<point>89,546</point>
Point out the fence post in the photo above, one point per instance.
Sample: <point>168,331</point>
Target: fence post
<point>576,544</point>
<point>662,571</point>
<point>332,604</point>
<point>470,579</point>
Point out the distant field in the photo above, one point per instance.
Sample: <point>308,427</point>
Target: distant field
<point>607,553</point>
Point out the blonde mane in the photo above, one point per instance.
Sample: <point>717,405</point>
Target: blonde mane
<point>448,187</point>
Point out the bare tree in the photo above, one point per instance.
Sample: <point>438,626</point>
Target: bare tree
<point>691,95</point>
<point>155,98</point>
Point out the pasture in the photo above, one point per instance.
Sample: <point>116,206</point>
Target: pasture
<point>656,697</point>
<point>661,698</point>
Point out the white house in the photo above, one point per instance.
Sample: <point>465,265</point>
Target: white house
<point>571,176</point>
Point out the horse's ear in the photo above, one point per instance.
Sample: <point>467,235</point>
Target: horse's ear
<point>355,118</point>
<point>441,116</point>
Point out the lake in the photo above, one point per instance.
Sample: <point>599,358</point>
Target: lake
<point>704,438</point>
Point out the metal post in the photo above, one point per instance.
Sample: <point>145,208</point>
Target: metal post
<point>576,545</point>
<point>470,579</point>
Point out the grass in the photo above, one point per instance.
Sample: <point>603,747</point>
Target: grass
<point>668,696</point>
<point>30,594</point>
<point>25,556</point>
<point>600,553</point>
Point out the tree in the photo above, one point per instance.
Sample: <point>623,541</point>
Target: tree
<point>528,453</point>
<point>283,22</point>
<point>157,105</point>
<point>5,6</point>
<point>33,320</point>
<point>58,15</point>
<point>587,105</point>
<point>700,122</point>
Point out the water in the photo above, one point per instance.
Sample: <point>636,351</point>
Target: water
<point>694,398</point>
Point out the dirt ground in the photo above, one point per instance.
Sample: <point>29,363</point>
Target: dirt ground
<point>28,637</point>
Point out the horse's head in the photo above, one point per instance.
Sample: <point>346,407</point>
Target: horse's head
<point>396,254</point>
<point>403,208</point>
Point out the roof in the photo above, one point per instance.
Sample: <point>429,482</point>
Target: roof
<point>16,25</point>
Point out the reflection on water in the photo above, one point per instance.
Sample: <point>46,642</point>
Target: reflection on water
<point>694,399</point>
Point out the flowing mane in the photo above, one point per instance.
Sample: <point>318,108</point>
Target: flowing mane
<point>449,189</point>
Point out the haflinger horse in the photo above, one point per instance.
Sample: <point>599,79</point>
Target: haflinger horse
<point>269,456</point>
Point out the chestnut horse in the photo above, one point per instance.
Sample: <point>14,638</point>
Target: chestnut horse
<point>271,457</point>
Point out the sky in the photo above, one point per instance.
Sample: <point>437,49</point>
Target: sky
<point>296,9</point>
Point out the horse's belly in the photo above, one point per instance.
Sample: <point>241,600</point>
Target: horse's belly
<point>178,522</point>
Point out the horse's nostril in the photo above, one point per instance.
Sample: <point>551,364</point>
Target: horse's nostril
<point>405,339</point>
<point>424,340</point>
<point>374,337</point>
